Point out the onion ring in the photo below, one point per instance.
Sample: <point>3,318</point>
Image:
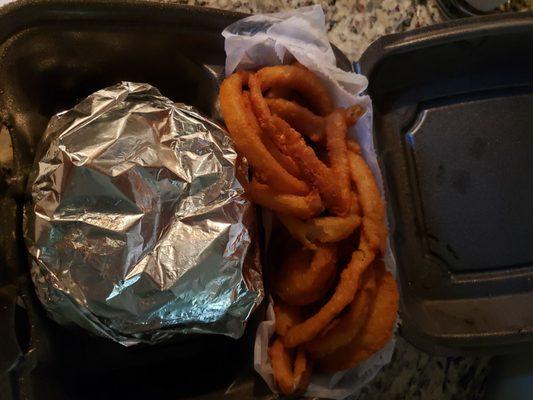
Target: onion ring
<point>373,225</point>
<point>353,146</point>
<point>284,160</point>
<point>248,142</point>
<point>352,114</point>
<point>322,229</point>
<point>304,120</point>
<point>344,294</point>
<point>279,93</point>
<point>336,130</point>
<point>298,230</point>
<point>302,81</point>
<point>291,142</point>
<point>302,370</point>
<point>298,206</point>
<point>286,316</point>
<point>376,332</point>
<point>313,170</point>
<point>299,117</point>
<point>305,276</point>
<point>350,324</point>
<point>332,229</point>
<point>291,374</point>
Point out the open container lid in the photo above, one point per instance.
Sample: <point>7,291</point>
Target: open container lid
<point>453,109</point>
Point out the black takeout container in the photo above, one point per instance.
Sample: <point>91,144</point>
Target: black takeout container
<point>450,102</point>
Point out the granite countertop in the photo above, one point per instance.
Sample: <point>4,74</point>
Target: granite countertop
<point>353,25</point>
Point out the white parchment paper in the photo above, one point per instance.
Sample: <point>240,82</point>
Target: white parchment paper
<point>301,35</point>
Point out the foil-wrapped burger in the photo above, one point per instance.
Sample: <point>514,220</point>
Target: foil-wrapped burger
<point>137,225</point>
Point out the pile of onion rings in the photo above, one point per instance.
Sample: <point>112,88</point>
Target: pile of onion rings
<point>332,310</point>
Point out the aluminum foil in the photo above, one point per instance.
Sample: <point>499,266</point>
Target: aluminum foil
<point>137,225</point>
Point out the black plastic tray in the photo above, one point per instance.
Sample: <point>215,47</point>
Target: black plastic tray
<point>453,128</point>
<point>52,54</point>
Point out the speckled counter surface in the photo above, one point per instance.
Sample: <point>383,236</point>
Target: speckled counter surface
<point>415,375</point>
<point>353,25</point>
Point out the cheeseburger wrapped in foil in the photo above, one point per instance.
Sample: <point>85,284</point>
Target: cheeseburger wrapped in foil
<point>137,226</point>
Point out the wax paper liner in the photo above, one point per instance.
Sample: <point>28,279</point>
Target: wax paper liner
<point>301,35</point>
